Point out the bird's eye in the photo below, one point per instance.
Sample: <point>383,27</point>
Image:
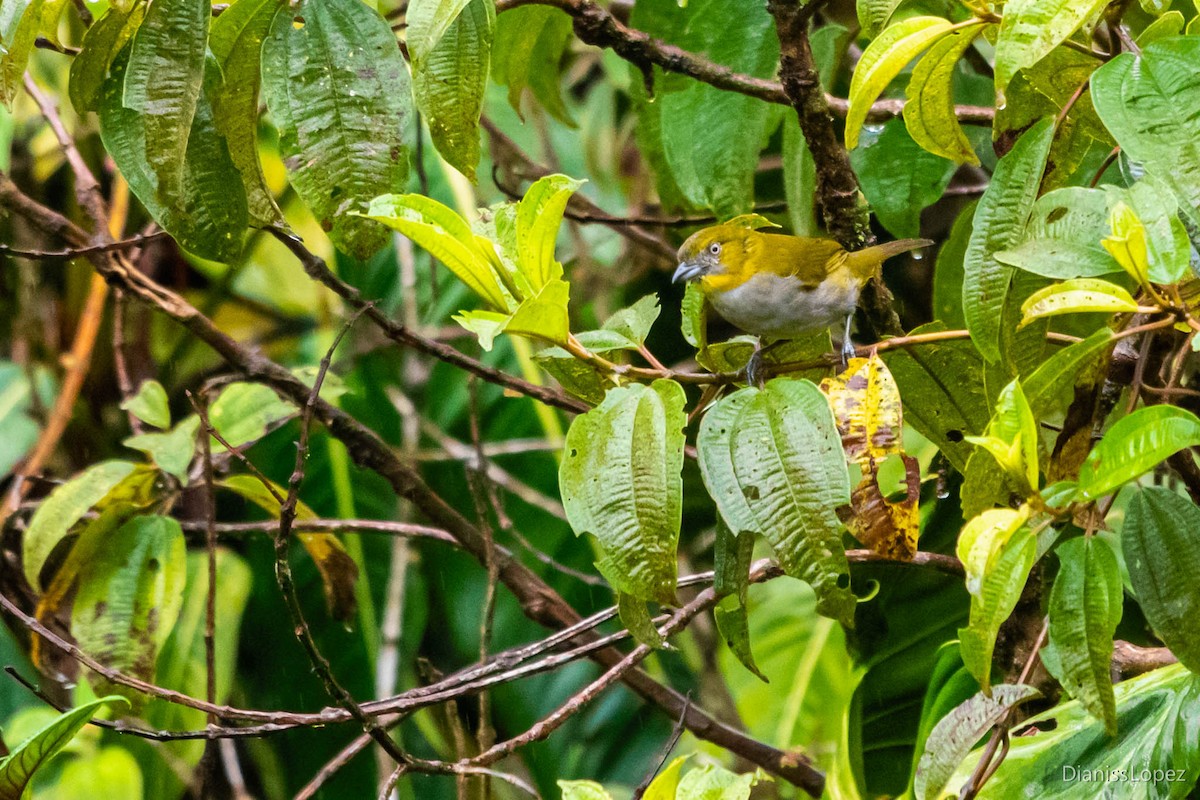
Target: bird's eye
<point>715,248</point>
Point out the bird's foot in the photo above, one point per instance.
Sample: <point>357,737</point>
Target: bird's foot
<point>848,352</point>
<point>754,369</point>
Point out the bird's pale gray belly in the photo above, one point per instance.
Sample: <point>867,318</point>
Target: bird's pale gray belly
<point>780,308</point>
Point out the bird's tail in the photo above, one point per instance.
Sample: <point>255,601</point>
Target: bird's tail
<point>867,262</point>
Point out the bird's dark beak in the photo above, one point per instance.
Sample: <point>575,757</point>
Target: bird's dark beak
<point>688,270</point>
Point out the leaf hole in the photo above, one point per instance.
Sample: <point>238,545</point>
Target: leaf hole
<point>954,435</point>
<point>152,565</point>
<point>843,580</point>
<point>1056,214</point>
<point>297,22</point>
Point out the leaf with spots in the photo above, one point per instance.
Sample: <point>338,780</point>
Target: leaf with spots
<point>130,593</point>
<point>772,460</point>
<point>621,483</point>
<point>338,90</point>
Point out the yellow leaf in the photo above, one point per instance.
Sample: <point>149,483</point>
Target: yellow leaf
<point>1127,243</point>
<point>866,406</point>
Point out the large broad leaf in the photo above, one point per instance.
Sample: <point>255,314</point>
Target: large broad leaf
<point>1156,757</point>
<point>951,739</point>
<point>19,23</point>
<point>1032,28</point>
<point>338,90</point>
<point>1063,236</point>
<point>998,550</point>
<point>620,482</point>
<point>772,460</point>
<point>236,40</point>
<point>1136,444</point>
<point>449,78</point>
<point>164,79</point>
<point>900,178</point>
<point>1151,105</point>
<point>64,507</point>
<point>529,48</point>
<point>129,596</point>
<point>930,114</point>
<point>941,384</point>
<point>710,139</point>
<point>17,769</point>
<point>882,61</point>
<point>187,191</point>
<point>246,412</point>
<point>1085,608</point>
<point>999,221</point>
<point>1161,542</point>
<point>1168,249</point>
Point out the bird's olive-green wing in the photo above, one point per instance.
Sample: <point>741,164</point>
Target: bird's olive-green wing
<point>809,259</point>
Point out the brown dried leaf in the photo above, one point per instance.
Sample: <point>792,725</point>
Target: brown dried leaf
<point>890,529</point>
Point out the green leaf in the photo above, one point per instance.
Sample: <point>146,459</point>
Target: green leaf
<point>64,507</point>
<point>1075,296</point>
<point>543,316</point>
<point>187,191</point>
<point>948,271</point>
<point>1134,445</point>
<point>1051,387</point>
<point>18,431</point>
<point>998,551</point>
<point>873,15</point>
<point>636,617</point>
<point>527,53</point>
<point>428,22</point>
<point>1127,243</point>
<point>112,767</point>
<point>101,44</point>
<point>999,220</point>
<point>1085,608</point>
<point>732,555</point>
<point>539,216</point>
<point>19,24</point>
<point>18,768</point>
<point>129,596</point>
<point>929,113</point>
<point>1162,553</point>
<point>447,237</point>
<point>171,451</point>
<point>900,178</point>
<point>633,323</point>
<point>620,482</point>
<point>338,90</point>
<point>579,378</point>
<point>666,783</point>
<point>713,782</point>
<point>149,404</point>
<point>1165,27</point>
<point>246,412</point>
<point>951,739</point>
<point>1155,713</point>
<point>164,79</point>
<point>1168,249</point>
<point>882,61</point>
<point>583,790</point>
<point>1012,437</point>
<point>1151,105</point>
<point>236,41</point>
<point>449,79</point>
<point>772,460</point>
<point>950,686</point>
<point>1063,237</point>
<point>694,322</point>
<point>941,385</point>
<point>1032,28</point>
<point>710,139</point>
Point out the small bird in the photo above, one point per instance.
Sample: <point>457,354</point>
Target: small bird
<point>780,287</point>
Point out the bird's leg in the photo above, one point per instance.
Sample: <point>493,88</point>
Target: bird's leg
<point>848,351</point>
<point>754,367</point>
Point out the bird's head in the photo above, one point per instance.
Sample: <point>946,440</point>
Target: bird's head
<point>714,255</point>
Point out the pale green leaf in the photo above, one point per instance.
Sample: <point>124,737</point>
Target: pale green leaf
<point>172,451</point>
<point>666,783</point>
<point>1135,445</point>
<point>1168,249</point>
<point>246,412</point>
<point>1127,242</point>
<point>539,216</point>
<point>633,323</point>
<point>338,90</point>
<point>19,24</point>
<point>1076,296</point>
<point>1063,237</point>
<point>873,15</point>
<point>17,769</point>
<point>1161,543</point>
<point>428,22</point>
<point>64,507</point>
<point>713,782</point>
<point>929,113</point>
<point>999,221</point>
<point>583,790</point>
<point>994,598</point>
<point>149,404</point>
<point>882,61</point>
<point>620,482</point>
